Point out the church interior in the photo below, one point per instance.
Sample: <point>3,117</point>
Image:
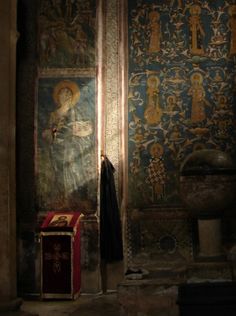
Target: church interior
<point>118,157</point>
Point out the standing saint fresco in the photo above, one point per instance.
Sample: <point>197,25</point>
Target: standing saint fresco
<point>153,111</point>
<point>69,147</point>
<point>156,172</point>
<point>196,29</point>
<point>172,105</point>
<point>155,32</point>
<point>198,113</point>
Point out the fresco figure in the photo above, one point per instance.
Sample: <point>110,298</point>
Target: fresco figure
<point>196,29</point>
<point>175,134</point>
<point>179,3</point>
<point>232,25</point>
<point>156,172</point>
<point>68,10</point>
<point>155,32</point>
<point>172,104</point>
<point>66,38</point>
<point>81,44</point>
<point>57,7</point>
<point>153,111</point>
<point>199,102</point>
<point>218,76</point>
<point>222,102</point>
<point>69,140</point>
<point>44,44</point>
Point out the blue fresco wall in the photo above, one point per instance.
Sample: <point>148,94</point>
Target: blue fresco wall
<point>181,91</point>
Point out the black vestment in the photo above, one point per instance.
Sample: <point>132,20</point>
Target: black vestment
<point>111,245</point>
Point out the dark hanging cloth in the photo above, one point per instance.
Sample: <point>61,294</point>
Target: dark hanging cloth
<point>111,246</point>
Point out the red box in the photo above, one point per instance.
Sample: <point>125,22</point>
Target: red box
<point>60,255</point>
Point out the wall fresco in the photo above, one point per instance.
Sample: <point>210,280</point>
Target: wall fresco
<point>67,33</point>
<point>160,243</point>
<point>181,97</point>
<point>66,173</point>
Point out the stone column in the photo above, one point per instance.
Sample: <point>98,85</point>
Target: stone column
<point>8,38</point>
<point>210,238</point>
<point>113,273</point>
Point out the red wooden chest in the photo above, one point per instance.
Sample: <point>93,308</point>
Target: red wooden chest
<point>60,255</point>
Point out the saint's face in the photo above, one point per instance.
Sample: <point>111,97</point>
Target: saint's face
<point>156,151</point>
<point>65,96</point>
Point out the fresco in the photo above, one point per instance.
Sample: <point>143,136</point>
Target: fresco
<point>65,153</point>
<point>158,243</point>
<point>67,33</point>
<point>181,91</point>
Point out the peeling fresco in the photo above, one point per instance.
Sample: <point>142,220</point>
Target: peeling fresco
<point>66,174</point>
<point>67,33</point>
<point>182,83</point>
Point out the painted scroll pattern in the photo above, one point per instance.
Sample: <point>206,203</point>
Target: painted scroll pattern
<point>182,84</point>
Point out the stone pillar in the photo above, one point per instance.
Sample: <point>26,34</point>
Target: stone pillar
<point>113,273</point>
<point>8,38</point>
<point>209,237</point>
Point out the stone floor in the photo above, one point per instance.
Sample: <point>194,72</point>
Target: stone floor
<point>85,305</point>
